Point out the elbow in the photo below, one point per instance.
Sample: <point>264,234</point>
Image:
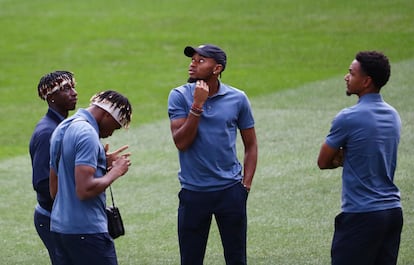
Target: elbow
<point>181,146</point>
<point>322,164</point>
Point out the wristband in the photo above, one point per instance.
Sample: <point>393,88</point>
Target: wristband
<point>194,113</point>
<point>196,110</point>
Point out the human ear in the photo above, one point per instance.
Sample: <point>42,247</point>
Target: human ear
<point>367,81</point>
<point>217,69</point>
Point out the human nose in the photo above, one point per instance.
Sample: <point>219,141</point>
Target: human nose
<point>74,92</point>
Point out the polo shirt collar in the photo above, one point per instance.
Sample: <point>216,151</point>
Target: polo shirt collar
<point>370,97</point>
<point>54,115</point>
<point>89,118</point>
<point>222,90</point>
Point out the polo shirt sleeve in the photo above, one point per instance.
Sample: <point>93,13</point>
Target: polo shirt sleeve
<point>177,105</point>
<point>87,147</point>
<point>245,120</point>
<point>338,133</point>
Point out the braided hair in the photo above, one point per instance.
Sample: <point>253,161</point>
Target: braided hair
<point>117,101</point>
<point>51,82</point>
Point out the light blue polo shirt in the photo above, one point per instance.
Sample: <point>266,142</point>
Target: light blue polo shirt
<point>211,163</point>
<point>369,132</point>
<point>78,137</point>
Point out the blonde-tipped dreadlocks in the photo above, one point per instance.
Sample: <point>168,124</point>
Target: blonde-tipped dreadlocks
<point>52,82</point>
<point>116,104</point>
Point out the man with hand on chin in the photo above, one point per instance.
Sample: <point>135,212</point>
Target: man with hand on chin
<point>205,116</point>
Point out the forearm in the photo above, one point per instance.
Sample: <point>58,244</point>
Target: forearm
<point>95,187</point>
<point>330,158</point>
<point>53,183</point>
<point>184,133</point>
<point>249,169</point>
<point>90,187</point>
<point>250,156</point>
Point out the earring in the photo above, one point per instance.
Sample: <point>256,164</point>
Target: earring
<point>53,101</point>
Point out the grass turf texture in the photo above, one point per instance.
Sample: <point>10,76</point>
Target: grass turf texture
<point>136,48</point>
<point>291,206</point>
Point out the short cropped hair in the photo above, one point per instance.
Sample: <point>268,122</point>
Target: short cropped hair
<point>376,65</point>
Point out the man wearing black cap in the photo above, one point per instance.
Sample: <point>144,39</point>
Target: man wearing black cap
<point>205,116</point>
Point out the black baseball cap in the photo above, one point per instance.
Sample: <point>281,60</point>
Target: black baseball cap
<point>208,51</point>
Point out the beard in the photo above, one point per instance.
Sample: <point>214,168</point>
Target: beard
<point>191,80</point>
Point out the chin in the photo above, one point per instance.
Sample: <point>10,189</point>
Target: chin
<point>191,80</point>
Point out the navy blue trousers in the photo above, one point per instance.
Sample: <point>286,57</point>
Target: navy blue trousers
<point>86,249</point>
<point>194,219</point>
<point>42,224</point>
<point>371,238</point>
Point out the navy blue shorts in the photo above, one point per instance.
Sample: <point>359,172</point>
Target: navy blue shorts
<point>371,238</point>
<point>86,249</point>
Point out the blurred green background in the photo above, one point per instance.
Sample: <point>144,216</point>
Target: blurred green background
<point>136,47</point>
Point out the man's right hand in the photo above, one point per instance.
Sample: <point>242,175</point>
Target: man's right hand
<point>200,94</point>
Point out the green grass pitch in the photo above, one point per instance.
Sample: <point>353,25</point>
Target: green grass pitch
<point>288,56</point>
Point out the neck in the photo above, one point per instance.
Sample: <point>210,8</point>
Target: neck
<point>368,90</point>
<point>214,86</point>
<point>96,112</point>
<point>64,113</point>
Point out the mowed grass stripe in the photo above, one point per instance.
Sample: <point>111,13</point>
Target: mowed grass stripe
<point>292,204</point>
